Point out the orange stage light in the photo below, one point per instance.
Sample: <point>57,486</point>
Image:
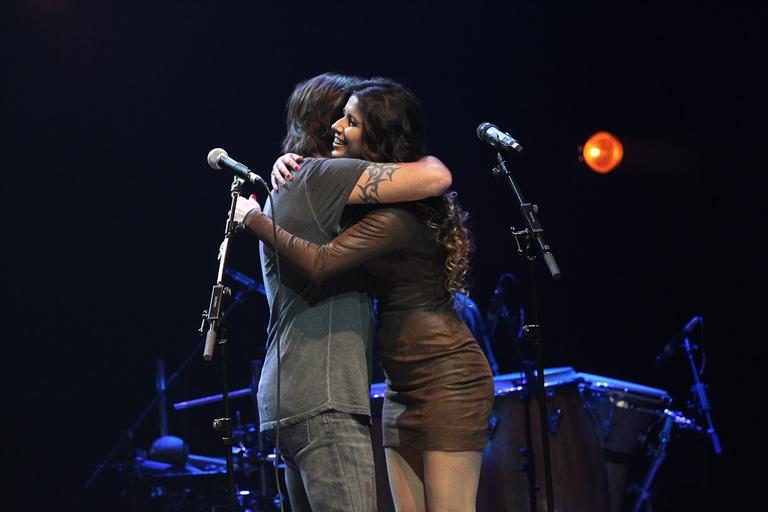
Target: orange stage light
<point>602,152</point>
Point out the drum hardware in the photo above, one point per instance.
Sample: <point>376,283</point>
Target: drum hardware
<point>525,455</point>
<point>553,424</point>
<point>602,418</point>
<point>222,424</point>
<point>530,331</point>
<point>492,423</point>
<point>681,421</point>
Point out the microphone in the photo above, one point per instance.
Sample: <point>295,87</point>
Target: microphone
<point>677,339</point>
<point>218,158</point>
<point>496,305</point>
<point>491,134</point>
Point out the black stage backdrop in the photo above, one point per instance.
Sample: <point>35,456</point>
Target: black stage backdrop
<point>112,219</point>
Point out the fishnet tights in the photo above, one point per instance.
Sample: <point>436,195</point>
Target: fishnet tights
<point>433,481</point>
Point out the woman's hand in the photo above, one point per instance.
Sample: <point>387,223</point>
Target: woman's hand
<point>244,206</point>
<point>282,169</point>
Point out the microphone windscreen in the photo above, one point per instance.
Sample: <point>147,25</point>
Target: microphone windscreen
<point>213,157</point>
<point>484,127</point>
<point>507,281</point>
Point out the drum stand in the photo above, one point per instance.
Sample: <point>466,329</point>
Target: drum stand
<point>533,244</point>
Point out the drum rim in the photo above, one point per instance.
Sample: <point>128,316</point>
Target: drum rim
<point>601,383</point>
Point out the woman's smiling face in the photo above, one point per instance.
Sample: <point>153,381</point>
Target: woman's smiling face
<point>348,132</point>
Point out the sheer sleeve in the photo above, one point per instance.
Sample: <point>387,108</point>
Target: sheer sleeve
<point>379,232</point>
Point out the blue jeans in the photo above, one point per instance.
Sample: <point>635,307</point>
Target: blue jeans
<point>329,463</point>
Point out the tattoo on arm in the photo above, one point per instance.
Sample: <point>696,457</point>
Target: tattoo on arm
<point>377,172</point>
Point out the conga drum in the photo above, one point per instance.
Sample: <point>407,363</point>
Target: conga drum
<point>620,411</point>
<point>580,482</point>
<point>594,428</point>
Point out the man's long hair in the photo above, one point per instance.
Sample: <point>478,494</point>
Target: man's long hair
<point>311,110</point>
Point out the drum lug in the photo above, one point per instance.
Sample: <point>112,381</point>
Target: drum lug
<point>530,330</point>
<point>222,424</point>
<point>492,423</point>
<point>554,416</point>
<point>525,466</point>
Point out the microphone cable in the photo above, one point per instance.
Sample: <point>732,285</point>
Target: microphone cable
<point>274,314</point>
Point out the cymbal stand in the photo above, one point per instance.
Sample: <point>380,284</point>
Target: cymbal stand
<point>530,243</point>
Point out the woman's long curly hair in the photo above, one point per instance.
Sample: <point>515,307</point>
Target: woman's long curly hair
<point>393,131</point>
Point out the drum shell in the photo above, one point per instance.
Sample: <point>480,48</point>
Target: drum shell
<point>579,476</point>
<point>621,412</point>
<point>600,421</point>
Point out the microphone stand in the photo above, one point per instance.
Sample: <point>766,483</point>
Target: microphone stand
<point>700,391</point>
<point>217,335</point>
<point>657,458</point>
<point>534,243</point>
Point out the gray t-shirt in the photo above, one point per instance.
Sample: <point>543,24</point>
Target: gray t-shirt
<point>325,330</point>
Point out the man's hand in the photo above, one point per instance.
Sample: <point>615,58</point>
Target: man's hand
<point>282,169</point>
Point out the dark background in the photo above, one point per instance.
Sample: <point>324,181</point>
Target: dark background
<point>112,219</point>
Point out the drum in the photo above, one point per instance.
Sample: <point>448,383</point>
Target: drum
<point>620,412</point>
<point>579,478</point>
<point>594,427</point>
